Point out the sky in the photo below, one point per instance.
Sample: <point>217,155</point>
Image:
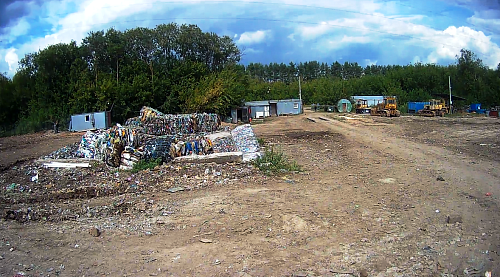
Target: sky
<point>364,31</point>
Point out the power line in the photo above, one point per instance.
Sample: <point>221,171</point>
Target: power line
<point>283,4</point>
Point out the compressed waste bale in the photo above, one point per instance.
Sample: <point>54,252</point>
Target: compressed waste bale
<point>246,142</point>
<point>224,144</point>
<point>157,147</point>
<point>191,146</point>
<point>156,123</point>
<point>93,144</point>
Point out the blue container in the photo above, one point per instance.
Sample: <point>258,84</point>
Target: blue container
<point>414,107</point>
<point>475,107</point>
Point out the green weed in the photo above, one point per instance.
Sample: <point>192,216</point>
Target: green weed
<point>260,141</point>
<point>143,165</point>
<point>275,161</point>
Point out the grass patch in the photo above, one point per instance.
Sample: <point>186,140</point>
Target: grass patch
<point>465,115</point>
<point>143,165</point>
<point>274,161</point>
<point>261,141</point>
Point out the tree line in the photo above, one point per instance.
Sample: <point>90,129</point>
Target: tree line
<point>180,68</point>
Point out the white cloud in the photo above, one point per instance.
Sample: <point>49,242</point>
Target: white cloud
<point>251,50</point>
<point>256,37</point>
<point>20,29</point>
<point>370,62</point>
<point>11,59</point>
<point>443,44</point>
<point>362,39</point>
<point>312,32</point>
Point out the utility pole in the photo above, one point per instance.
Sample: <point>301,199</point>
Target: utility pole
<point>300,97</point>
<point>300,90</point>
<point>449,84</point>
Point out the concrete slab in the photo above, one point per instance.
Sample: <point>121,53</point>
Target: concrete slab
<point>226,157</point>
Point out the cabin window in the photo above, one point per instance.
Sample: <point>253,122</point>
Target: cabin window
<point>295,105</point>
<point>87,118</point>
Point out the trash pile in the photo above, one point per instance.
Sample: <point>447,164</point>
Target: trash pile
<point>92,145</point>
<point>154,135</point>
<point>67,152</point>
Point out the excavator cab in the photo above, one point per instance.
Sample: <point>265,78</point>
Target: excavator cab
<point>390,103</point>
<point>362,106</point>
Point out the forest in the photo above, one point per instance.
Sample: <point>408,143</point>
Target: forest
<point>182,69</point>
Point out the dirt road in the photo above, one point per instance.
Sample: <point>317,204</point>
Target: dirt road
<point>368,201</point>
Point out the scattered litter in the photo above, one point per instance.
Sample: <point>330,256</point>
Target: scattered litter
<point>34,178</point>
<point>206,240</point>
<point>387,180</point>
<point>439,178</point>
<point>488,194</point>
<point>310,119</point>
<point>176,189</point>
<point>94,232</point>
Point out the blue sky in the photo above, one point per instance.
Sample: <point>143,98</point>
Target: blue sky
<point>364,31</point>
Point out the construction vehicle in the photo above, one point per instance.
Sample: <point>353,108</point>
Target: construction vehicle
<point>436,107</point>
<point>362,106</point>
<point>388,107</point>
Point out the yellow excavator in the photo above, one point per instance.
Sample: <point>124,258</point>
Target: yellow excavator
<point>362,106</point>
<point>436,107</point>
<point>389,107</point>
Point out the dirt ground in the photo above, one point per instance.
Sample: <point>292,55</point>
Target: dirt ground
<point>23,148</point>
<point>368,203</point>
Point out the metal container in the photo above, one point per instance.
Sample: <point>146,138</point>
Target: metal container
<point>414,107</point>
<point>344,106</point>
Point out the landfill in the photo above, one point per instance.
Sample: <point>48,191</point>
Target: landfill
<point>153,135</point>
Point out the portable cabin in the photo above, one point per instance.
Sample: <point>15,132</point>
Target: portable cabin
<point>288,106</point>
<point>258,109</point>
<point>240,114</point>
<point>90,121</point>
